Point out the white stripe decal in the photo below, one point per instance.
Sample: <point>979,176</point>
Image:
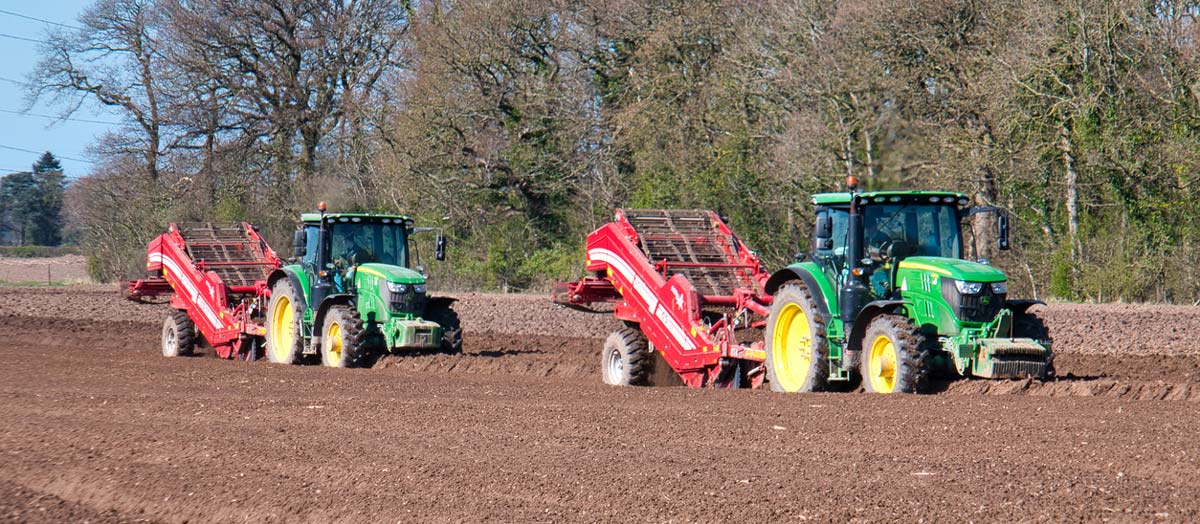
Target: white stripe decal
<point>657,309</point>
<point>185,278</point>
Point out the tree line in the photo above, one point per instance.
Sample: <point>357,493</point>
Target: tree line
<point>518,125</point>
<point>31,204</point>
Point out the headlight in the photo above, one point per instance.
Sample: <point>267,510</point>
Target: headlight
<point>1000,288</point>
<point>419,288</point>
<point>395,287</point>
<point>968,288</point>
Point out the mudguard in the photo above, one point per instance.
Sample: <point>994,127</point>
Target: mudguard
<point>319,316</point>
<point>868,312</point>
<point>294,279</point>
<point>432,302</point>
<point>1019,306</point>
<point>813,278</point>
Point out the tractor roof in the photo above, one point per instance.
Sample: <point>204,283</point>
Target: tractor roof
<point>316,217</point>
<point>830,199</point>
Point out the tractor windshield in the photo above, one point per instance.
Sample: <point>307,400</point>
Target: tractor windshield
<point>354,243</point>
<point>930,230</point>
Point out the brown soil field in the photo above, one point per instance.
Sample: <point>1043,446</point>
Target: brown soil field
<point>96,426</point>
<point>67,269</point>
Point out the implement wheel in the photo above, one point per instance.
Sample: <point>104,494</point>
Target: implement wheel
<point>626,358</point>
<point>797,350</point>
<point>178,335</point>
<point>452,334</point>
<point>894,356</point>
<point>344,343</point>
<point>284,340</point>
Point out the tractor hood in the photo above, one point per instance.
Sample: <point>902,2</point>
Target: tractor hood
<point>389,273</point>
<point>954,268</point>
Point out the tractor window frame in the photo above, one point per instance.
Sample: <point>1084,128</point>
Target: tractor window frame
<point>378,240</point>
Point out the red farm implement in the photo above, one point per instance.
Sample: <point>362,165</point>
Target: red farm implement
<point>686,287</point>
<point>216,275</point>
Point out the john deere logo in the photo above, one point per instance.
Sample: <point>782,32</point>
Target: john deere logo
<point>985,300</point>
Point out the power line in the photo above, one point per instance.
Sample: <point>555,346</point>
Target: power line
<point>84,120</point>
<point>27,17</point>
<point>18,82</point>
<point>23,150</point>
<point>15,37</point>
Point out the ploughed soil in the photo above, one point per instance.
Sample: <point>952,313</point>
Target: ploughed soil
<point>96,426</point>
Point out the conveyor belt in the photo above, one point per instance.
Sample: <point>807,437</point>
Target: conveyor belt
<point>690,243</point>
<point>227,249</point>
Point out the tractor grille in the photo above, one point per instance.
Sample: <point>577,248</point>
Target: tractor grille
<point>408,302</point>
<point>980,307</point>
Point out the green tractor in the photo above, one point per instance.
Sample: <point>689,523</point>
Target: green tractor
<point>353,293</point>
<point>886,298</point>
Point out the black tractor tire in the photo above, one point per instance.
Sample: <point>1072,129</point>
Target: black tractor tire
<point>895,356</point>
<point>178,335</point>
<point>803,364</point>
<point>452,332</point>
<point>285,339</point>
<point>1030,325</point>
<point>344,340</point>
<point>626,359</point>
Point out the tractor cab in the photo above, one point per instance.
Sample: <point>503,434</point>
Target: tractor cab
<point>894,226</point>
<point>351,240</point>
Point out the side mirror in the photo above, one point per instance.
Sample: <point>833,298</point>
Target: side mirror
<point>300,243</point>
<point>439,247</point>
<point>824,232</point>
<point>1002,231</point>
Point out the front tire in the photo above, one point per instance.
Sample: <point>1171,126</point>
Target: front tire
<point>344,343</point>
<point>797,349</point>
<point>626,358</point>
<point>1030,325</point>
<point>284,337</point>
<point>178,335</point>
<point>894,358</point>
<point>452,333</point>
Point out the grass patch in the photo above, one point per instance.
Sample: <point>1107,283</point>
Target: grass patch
<point>37,251</point>
<point>34,283</point>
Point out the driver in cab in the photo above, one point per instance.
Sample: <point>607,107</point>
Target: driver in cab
<point>349,251</point>
<point>885,248</point>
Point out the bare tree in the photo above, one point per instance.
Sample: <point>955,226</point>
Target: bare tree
<point>114,60</point>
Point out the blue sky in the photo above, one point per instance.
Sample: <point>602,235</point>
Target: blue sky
<point>67,140</point>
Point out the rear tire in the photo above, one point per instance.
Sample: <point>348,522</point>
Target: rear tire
<point>344,343</point>
<point>452,333</point>
<point>285,341</point>
<point>895,358</point>
<point>797,348</point>
<point>626,358</point>
<point>178,335</point>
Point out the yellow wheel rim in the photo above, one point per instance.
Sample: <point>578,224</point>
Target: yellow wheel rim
<point>333,345</point>
<point>881,365</point>
<point>791,347</point>
<point>283,329</point>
